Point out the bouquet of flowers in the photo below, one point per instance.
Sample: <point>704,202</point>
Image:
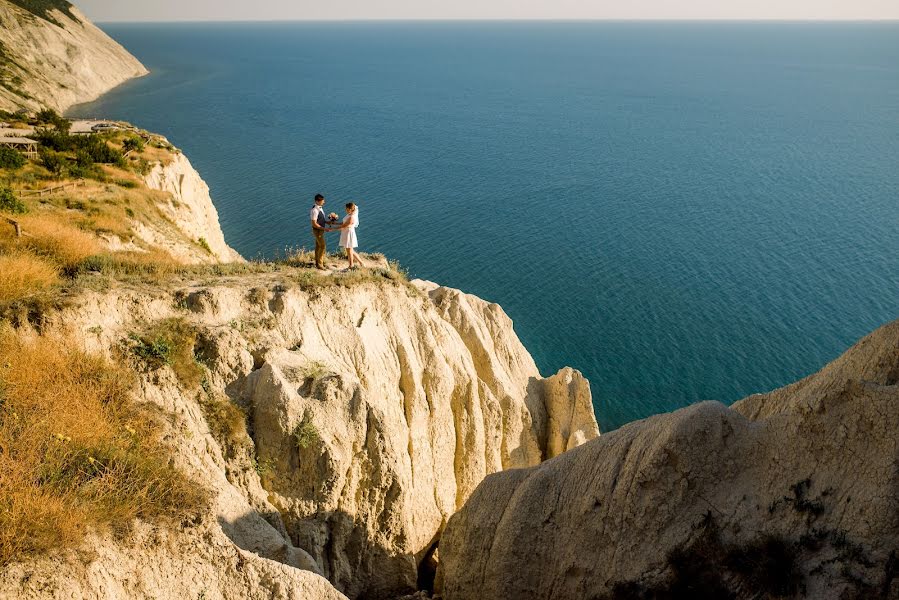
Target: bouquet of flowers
<point>332,217</point>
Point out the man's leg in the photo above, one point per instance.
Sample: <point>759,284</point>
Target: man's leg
<point>319,247</point>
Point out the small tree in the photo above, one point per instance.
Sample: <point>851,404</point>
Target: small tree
<point>9,202</point>
<point>47,115</point>
<point>54,139</point>
<point>51,117</point>
<point>11,159</point>
<point>53,161</point>
<point>133,144</point>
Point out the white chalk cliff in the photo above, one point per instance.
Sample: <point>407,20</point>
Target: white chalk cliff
<point>188,206</point>
<point>789,494</point>
<point>373,413</point>
<point>52,56</point>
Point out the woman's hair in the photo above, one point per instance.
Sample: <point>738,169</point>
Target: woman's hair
<point>350,205</point>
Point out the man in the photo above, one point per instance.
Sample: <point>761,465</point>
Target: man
<point>319,228</point>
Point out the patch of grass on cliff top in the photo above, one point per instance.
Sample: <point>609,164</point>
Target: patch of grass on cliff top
<point>172,343</point>
<point>42,8</point>
<point>76,453</point>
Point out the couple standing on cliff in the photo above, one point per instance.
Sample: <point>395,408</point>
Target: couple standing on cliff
<point>322,225</point>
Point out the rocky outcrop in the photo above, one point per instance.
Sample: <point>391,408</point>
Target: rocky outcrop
<point>792,493</point>
<point>189,207</point>
<point>52,56</point>
<point>382,413</point>
<point>372,410</point>
<point>199,562</point>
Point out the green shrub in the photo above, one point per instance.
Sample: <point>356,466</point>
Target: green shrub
<point>171,343</point>
<point>315,370</point>
<point>42,8</point>
<point>133,144</point>
<point>11,159</point>
<point>204,245</point>
<point>9,202</point>
<point>53,161</point>
<point>105,154</point>
<point>263,467</point>
<point>305,433</point>
<point>84,166</point>
<point>53,139</point>
<point>48,116</point>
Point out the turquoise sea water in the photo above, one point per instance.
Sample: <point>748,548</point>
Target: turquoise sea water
<point>682,211</point>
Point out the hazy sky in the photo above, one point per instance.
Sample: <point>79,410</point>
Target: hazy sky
<point>230,10</point>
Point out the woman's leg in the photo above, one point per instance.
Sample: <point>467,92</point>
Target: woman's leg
<point>349,256</point>
<point>358,258</point>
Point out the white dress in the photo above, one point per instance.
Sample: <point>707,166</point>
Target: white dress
<point>348,234</point>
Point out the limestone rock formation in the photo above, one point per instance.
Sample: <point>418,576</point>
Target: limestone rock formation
<point>373,410</point>
<point>793,493</point>
<point>52,56</point>
<point>382,414</point>
<point>191,210</point>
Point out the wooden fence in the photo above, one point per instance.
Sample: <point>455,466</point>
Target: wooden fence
<point>18,227</point>
<point>51,189</point>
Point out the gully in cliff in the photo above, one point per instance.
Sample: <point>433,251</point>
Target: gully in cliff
<point>322,225</point>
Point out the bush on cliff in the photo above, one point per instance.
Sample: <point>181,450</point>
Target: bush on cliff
<point>53,161</point>
<point>11,159</point>
<point>171,342</point>
<point>9,203</point>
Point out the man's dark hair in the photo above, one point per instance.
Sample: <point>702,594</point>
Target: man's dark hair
<point>319,197</point>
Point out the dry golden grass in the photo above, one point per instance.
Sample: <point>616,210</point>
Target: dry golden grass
<point>76,454</point>
<point>227,422</point>
<point>48,236</point>
<point>154,266</point>
<point>22,275</point>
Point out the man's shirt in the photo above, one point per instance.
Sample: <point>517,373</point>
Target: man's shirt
<point>317,215</point>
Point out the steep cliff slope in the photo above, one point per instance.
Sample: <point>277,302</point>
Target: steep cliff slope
<point>789,494</point>
<point>190,209</point>
<point>369,407</point>
<point>150,206</point>
<point>52,56</point>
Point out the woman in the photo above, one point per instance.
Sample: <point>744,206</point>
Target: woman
<point>348,239</point>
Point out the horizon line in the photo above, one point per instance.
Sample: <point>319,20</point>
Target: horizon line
<point>516,20</point>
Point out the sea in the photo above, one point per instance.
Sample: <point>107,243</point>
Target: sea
<point>684,211</point>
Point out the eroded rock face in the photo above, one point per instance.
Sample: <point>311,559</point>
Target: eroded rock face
<point>196,563</point>
<point>373,411</point>
<point>384,414</point>
<point>192,212</point>
<point>60,61</point>
<point>792,493</point>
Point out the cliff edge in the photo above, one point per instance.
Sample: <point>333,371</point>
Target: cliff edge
<point>337,421</point>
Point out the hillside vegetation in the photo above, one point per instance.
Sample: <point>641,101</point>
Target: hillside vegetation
<point>42,8</point>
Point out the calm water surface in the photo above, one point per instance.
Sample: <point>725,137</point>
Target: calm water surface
<point>682,211</point>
